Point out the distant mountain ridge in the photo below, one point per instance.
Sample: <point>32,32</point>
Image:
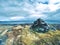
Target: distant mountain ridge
<point>56,25</point>
<point>14,22</point>
<point>30,21</point>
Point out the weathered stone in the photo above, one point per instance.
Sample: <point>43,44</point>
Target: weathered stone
<point>40,26</point>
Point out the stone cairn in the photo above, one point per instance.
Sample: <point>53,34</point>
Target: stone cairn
<point>40,26</point>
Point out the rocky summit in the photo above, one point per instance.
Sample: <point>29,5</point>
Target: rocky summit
<point>41,26</point>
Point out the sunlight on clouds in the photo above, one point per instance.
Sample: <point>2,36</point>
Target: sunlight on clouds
<point>54,1</point>
<point>28,9</point>
<point>41,7</point>
<point>53,7</point>
<point>17,18</point>
<point>36,16</point>
<point>5,19</point>
<point>48,7</point>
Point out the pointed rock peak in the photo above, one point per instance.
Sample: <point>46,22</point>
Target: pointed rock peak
<point>40,26</point>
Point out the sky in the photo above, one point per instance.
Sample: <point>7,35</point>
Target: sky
<point>30,10</point>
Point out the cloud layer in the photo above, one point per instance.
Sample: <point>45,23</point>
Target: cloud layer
<point>29,10</point>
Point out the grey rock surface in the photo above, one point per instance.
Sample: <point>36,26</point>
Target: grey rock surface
<point>41,26</point>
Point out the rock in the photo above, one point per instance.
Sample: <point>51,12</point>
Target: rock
<point>40,26</point>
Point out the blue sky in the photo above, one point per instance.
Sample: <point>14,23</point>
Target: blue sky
<point>29,10</point>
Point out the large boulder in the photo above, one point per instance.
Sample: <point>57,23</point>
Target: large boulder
<point>40,26</point>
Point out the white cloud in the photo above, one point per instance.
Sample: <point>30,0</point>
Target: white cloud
<point>4,20</point>
<point>36,16</point>
<point>17,18</point>
<point>53,7</point>
<point>20,9</point>
<point>54,1</point>
<point>41,7</point>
